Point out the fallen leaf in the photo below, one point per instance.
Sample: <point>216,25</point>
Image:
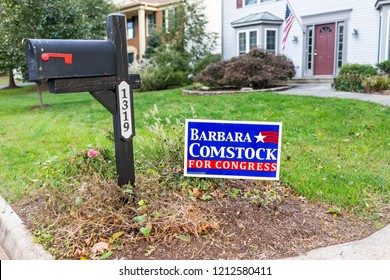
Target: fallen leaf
<point>117,221</point>
<point>115,236</point>
<point>99,247</point>
<point>88,241</point>
<point>196,192</point>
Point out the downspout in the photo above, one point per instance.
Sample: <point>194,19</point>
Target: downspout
<point>222,33</point>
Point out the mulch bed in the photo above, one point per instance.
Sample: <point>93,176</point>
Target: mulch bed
<point>223,228</point>
<point>254,232</point>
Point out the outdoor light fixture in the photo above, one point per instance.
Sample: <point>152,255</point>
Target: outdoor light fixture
<point>355,33</point>
<point>295,40</point>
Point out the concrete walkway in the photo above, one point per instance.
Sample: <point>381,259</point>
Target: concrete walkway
<point>325,90</point>
<point>374,247</point>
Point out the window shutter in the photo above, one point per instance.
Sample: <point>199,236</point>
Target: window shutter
<point>164,19</point>
<point>239,4</point>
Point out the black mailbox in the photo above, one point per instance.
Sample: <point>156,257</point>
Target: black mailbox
<point>99,67</point>
<point>54,59</point>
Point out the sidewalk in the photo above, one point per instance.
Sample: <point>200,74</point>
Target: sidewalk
<point>374,247</point>
<point>325,90</point>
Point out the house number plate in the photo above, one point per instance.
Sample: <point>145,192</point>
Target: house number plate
<point>125,111</point>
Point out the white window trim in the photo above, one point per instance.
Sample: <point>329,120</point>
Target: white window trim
<point>247,39</point>
<point>276,39</point>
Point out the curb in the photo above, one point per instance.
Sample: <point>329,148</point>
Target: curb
<point>15,239</point>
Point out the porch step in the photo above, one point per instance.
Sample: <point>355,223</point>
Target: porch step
<point>313,80</point>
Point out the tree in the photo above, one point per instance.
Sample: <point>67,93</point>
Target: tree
<point>186,30</point>
<point>184,42</point>
<point>54,19</point>
<point>153,43</point>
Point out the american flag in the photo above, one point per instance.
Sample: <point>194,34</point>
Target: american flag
<point>288,22</point>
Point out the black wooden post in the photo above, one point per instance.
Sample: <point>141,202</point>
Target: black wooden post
<point>116,32</point>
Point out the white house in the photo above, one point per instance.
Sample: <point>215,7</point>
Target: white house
<point>324,36</point>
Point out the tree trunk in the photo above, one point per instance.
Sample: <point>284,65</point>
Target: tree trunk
<point>11,80</point>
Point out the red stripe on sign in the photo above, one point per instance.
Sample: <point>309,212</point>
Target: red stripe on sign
<point>232,165</point>
<point>271,137</point>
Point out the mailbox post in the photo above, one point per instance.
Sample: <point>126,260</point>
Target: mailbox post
<point>99,67</point>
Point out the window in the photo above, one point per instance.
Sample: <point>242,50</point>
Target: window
<point>325,29</point>
<point>310,49</point>
<point>241,43</point>
<point>252,40</point>
<point>131,28</point>
<point>340,44</point>
<point>169,18</point>
<point>151,23</point>
<point>254,2</point>
<point>271,40</point>
<point>250,2</point>
<point>244,38</point>
<point>131,57</point>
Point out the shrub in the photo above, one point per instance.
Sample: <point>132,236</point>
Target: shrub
<point>384,66</point>
<point>163,77</point>
<point>348,82</point>
<point>351,76</point>
<point>213,74</point>
<point>258,69</point>
<point>167,69</point>
<point>202,63</point>
<point>376,83</point>
<point>358,69</point>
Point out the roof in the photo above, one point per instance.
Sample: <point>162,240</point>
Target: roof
<point>379,3</point>
<point>258,18</point>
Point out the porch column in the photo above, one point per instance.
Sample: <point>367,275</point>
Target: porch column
<point>141,32</point>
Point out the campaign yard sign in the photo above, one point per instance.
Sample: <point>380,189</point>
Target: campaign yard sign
<point>232,149</point>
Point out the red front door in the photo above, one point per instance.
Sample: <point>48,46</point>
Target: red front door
<point>324,49</point>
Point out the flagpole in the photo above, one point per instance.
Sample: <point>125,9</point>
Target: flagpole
<point>292,10</point>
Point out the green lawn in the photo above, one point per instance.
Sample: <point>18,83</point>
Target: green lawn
<point>336,151</point>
